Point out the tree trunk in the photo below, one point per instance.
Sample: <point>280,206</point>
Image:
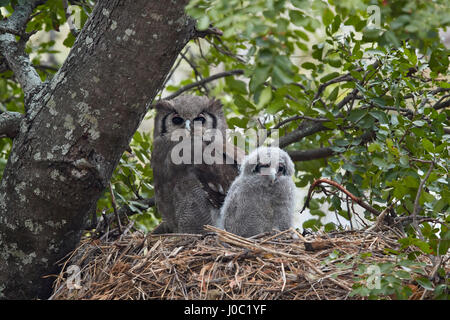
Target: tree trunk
<point>76,128</point>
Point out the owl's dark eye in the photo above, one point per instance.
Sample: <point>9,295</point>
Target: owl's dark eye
<point>259,166</point>
<point>282,169</point>
<point>177,120</point>
<point>200,118</point>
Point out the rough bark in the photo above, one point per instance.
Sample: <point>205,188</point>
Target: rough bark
<point>75,131</point>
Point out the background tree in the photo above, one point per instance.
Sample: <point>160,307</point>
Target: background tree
<point>72,129</point>
<point>360,96</point>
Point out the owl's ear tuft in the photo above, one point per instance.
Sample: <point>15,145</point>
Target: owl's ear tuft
<point>163,105</point>
<point>215,106</point>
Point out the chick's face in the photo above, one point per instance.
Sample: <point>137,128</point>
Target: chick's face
<point>270,165</point>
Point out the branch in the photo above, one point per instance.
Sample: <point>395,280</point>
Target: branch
<point>416,201</point>
<point>146,204</point>
<point>306,155</point>
<point>305,129</point>
<point>14,52</point>
<point>198,75</point>
<point>442,104</point>
<point>346,77</point>
<point>205,80</point>
<point>10,124</point>
<point>341,188</point>
<point>298,117</point>
<point>210,31</point>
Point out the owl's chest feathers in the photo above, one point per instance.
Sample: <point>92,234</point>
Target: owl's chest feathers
<point>272,197</point>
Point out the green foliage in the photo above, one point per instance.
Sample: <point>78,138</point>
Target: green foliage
<point>383,88</point>
<point>132,182</point>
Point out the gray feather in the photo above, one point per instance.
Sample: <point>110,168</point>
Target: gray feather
<point>255,203</point>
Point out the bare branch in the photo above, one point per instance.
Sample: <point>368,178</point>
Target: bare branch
<point>341,188</point>
<point>204,81</point>
<point>10,123</point>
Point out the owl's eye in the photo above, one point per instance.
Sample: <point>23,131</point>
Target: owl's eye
<point>259,166</point>
<point>282,169</point>
<point>200,118</point>
<point>177,120</point>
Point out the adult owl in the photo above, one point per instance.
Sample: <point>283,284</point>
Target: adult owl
<point>262,196</point>
<point>190,194</point>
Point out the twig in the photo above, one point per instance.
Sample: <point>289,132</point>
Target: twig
<point>306,155</point>
<point>341,188</point>
<point>225,51</point>
<point>205,80</point>
<point>416,201</point>
<point>198,75</point>
<point>305,129</point>
<point>343,78</point>
<point>441,105</point>
<point>298,117</point>
<point>114,205</point>
<point>380,218</point>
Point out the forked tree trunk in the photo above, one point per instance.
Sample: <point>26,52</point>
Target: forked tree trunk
<point>75,131</point>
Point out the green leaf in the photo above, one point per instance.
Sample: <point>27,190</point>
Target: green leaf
<point>404,161</point>
<point>329,76</point>
<point>308,66</point>
<point>243,104</point>
<point>203,23</point>
<point>237,85</point>
<point>379,162</point>
<point>439,60</point>
<point>264,97</point>
<point>327,16</point>
<point>373,147</point>
<point>69,41</point>
<point>259,77</point>
<point>380,116</point>
<point>334,94</point>
<point>425,283</point>
<point>428,145</point>
<point>356,115</point>
<point>280,77</point>
<point>297,17</point>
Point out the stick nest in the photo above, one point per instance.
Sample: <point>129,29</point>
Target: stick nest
<point>221,265</point>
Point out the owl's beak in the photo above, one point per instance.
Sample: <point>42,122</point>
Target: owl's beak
<point>187,125</point>
<point>273,175</point>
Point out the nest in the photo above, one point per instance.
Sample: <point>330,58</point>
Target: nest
<point>221,265</point>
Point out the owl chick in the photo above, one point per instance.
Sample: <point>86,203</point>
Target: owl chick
<point>262,196</point>
<point>189,194</point>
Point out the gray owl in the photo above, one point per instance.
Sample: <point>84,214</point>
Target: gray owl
<point>262,196</point>
<point>189,195</point>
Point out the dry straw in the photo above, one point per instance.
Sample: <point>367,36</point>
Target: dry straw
<point>221,265</point>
